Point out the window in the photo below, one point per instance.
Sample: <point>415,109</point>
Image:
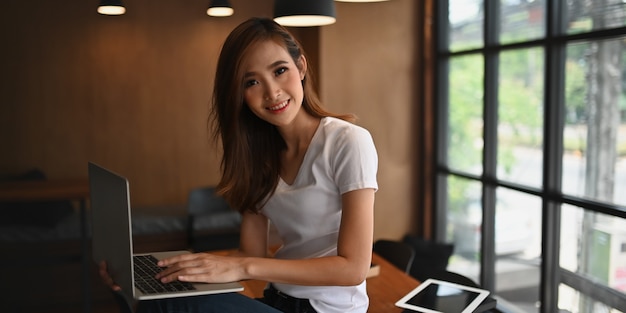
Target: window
<point>531,141</point>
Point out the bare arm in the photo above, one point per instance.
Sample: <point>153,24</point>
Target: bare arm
<point>349,267</point>
<point>354,251</point>
<point>254,232</point>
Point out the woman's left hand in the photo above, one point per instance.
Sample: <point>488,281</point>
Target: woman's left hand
<point>201,267</point>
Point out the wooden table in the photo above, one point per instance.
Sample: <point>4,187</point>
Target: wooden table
<point>383,290</point>
<point>45,190</point>
<point>52,190</point>
<point>388,287</point>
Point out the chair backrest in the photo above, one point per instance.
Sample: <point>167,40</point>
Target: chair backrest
<point>430,256</point>
<point>397,253</point>
<point>212,224</point>
<point>204,200</point>
<point>454,277</point>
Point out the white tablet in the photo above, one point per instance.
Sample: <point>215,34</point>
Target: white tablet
<point>437,296</point>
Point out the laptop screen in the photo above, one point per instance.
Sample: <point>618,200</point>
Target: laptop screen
<point>111,227</point>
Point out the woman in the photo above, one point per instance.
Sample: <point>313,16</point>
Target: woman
<point>287,161</point>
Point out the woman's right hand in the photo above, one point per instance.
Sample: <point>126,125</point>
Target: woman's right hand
<point>106,278</point>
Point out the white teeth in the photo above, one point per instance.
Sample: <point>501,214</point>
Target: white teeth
<point>279,106</point>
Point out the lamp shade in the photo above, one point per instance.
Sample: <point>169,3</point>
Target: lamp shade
<point>304,12</point>
<point>111,7</point>
<point>220,8</point>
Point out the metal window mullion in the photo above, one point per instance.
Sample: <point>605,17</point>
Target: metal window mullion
<point>442,127</point>
<point>490,147</point>
<point>594,289</point>
<point>595,206</point>
<point>442,73</point>
<point>554,106</point>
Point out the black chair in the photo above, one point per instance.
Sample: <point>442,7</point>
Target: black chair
<point>430,256</point>
<point>397,253</point>
<point>454,277</point>
<point>212,224</point>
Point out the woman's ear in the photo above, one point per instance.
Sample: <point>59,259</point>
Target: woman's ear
<point>302,67</point>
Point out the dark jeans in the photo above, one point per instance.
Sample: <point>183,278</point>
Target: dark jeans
<point>286,303</point>
<point>218,303</point>
<point>273,301</point>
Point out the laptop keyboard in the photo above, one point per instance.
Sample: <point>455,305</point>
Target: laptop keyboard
<point>146,268</point>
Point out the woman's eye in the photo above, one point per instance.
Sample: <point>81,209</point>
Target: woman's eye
<point>250,83</point>
<point>280,71</point>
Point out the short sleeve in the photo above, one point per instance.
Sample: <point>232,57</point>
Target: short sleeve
<point>355,160</point>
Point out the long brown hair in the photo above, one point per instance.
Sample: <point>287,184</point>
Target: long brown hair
<point>251,146</point>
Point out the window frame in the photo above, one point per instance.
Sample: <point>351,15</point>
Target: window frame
<point>554,44</point>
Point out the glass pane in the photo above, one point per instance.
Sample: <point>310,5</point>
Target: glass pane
<point>520,116</point>
<point>464,224</point>
<point>465,144</point>
<point>522,20</point>
<point>518,248</point>
<point>466,19</point>
<point>594,157</point>
<point>585,15</point>
<point>572,300</point>
<point>594,245</point>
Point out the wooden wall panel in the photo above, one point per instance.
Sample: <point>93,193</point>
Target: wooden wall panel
<point>131,92</point>
<point>368,64</point>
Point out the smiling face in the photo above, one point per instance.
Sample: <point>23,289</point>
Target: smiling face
<point>273,83</point>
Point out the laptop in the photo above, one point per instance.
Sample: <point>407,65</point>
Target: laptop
<point>112,242</point>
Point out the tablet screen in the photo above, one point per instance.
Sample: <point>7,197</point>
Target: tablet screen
<point>440,296</point>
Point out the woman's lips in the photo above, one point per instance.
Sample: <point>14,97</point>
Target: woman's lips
<point>279,107</point>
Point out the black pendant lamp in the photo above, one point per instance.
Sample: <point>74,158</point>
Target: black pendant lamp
<point>220,8</point>
<point>111,7</point>
<point>302,13</point>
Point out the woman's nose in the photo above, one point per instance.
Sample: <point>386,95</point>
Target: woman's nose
<point>272,91</point>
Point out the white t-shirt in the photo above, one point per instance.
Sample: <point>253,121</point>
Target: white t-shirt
<point>307,214</point>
